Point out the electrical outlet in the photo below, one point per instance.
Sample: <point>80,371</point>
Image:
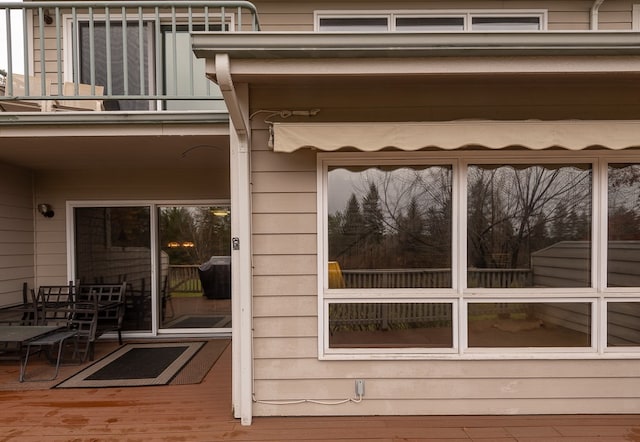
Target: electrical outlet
<point>359,387</point>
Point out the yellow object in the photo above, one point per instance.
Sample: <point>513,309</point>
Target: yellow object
<point>336,281</point>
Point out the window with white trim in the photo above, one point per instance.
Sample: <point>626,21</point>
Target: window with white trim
<point>465,257</point>
<point>430,21</point>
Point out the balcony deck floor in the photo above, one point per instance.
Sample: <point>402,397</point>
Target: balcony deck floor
<point>202,412</point>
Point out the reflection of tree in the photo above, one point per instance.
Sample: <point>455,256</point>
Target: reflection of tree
<point>513,211</point>
<point>624,202</point>
<point>209,234</point>
<point>399,218</point>
<point>129,226</point>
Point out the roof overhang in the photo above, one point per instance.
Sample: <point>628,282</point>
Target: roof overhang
<point>115,140</point>
<point>256,56</point>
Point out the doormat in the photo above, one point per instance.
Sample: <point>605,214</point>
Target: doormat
<point>199,321</point>
<point>135,365</point>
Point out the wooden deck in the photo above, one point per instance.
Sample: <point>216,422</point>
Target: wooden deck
<point>202,412</point>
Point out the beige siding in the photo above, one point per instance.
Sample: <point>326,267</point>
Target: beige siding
<point>58,187</point>
<point>16,233</point>
<point>285,336</point>
<point>562,15</point>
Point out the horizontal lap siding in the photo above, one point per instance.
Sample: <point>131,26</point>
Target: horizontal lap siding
<point>16,233</point>
<point>284,259</point>
<point>562,15</point>
<point>286,364</point>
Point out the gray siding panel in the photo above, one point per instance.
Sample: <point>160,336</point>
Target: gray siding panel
<point>16,233</point>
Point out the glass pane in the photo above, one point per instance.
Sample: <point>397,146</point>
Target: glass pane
<point>389,227</point>
<point>529,226</point>
<point>113,244</point>
<point>505,23</point>
<point>185,74</point>
<point>624,226</point>
<point>120,66</point>
<point>195,267</point>
<point>373,24</point>
<point>513,324</point>
<point>430,24</point>
<point>623,324</point>
<point>370,325</point>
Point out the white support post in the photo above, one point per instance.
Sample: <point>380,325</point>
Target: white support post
<point>242,327</point>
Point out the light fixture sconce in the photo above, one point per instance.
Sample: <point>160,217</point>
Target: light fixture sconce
<point>46,210</point>
<point>47,17</point>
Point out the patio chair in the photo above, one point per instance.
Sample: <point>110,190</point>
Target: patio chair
<point>69,90</point>
<point>55,298</point>
<point>109,301</point>
<point>22,314</point>
<point>79,321</point>
<point>19,86</point>
<point>167,300</point>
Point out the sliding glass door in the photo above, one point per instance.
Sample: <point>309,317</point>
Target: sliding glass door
<point>194,266</point>
<point>179,281</point>
<point>113,245</point>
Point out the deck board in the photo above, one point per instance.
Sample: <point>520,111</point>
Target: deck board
<point>202,412</point>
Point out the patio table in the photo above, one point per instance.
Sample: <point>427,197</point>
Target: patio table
<point>20,335</point>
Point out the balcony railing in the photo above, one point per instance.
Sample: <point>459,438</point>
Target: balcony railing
<point>119,55</point>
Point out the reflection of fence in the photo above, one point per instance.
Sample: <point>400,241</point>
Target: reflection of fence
<point>184,278</point>
<point>434,278</point>
<point>367,316</point>
<point>499,278</point>
<point>397,278</point>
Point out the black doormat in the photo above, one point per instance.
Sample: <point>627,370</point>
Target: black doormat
<point>136,365</point>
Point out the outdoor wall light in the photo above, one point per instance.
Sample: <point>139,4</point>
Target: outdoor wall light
<point>47,17</point>
<point>46,210</point>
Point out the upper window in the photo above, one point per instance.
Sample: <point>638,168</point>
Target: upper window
<point>430,21</point>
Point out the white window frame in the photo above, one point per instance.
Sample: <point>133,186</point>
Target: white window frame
<point>467,15</point>
<point>597,295</point>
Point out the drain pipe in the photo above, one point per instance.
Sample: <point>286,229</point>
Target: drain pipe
<point>594,14</point>
<point>223,78</point>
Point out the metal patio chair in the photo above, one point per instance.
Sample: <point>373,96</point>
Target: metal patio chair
<point>78,324</point>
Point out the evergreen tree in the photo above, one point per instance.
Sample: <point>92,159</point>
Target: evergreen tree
<point>411,236</point>
<point>352,233</point>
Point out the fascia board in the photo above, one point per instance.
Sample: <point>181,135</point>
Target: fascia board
<point>284,45</point>
<point>252,70</point>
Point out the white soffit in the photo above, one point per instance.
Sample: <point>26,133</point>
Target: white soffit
<point>449,135</point>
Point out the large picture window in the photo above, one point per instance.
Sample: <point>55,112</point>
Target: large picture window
<point>468,257</point>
